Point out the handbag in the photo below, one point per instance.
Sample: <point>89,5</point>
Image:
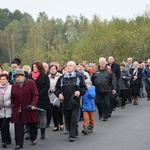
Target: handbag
<point>56,102</point>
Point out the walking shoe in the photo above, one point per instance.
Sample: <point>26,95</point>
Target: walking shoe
<point>61,127</point>
<point>71,139</point>
<point>4,145</point>
<point>33,142</point>
<point>42,136</point>
<point>55,129</point>
<point>18,147</point>
<point>104,119</point>
<point>85,131</point>
<point>90,129</point>
<point>66,132</point>
<point>27,136</point>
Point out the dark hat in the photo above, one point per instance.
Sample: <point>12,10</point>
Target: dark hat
<point>18,72</point>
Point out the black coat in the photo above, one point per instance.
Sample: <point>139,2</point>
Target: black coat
<point>116,70</point>
<point>139,76</point>
<point>43,85</point>
<point>104,81</point>
<point>67,86</point>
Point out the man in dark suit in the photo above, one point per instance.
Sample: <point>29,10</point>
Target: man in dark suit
<point>116,72</point>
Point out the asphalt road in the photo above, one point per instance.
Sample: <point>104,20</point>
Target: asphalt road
<point>127,129</point>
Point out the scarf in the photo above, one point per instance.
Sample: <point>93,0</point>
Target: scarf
<point>53,75</point>
<point>13,80</point>
<point>35,75</point>
<point>3,89</point>
<point>135,72</point>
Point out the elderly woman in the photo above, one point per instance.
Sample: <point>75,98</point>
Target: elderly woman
<point>136,81</point>
<point>123,84</point>
<point>56,111</point>
<point>5,109</point>
<point>23,94</point>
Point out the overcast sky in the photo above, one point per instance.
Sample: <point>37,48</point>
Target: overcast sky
<point>105,9</point>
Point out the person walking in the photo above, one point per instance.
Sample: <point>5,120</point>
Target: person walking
<point>136,81</point>
<point>88,108</point>
<point>123,82</point>
<point>69,88</point>
<point>5,109</point>
<point>42,83</point>
<point>23,94</point>
<point>56,111</point>
<point>105,85</point>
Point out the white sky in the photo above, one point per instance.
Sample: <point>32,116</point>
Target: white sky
<point>105,9</point>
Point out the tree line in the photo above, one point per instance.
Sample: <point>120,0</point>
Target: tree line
<point>76,38</point>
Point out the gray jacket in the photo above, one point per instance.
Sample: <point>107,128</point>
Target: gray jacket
<point>124,83</point>
<point>6,110</point>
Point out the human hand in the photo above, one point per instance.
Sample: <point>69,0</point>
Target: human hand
<point>61,97</point>
<point>77,93</point>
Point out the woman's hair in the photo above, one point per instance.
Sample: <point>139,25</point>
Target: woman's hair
<point>4,75</point>
<point>25,67</point>
<point>16,61</point>
<point>122,64</point>
<point>53,66</point>
<point>39,66</point>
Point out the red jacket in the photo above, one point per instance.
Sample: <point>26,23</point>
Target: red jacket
<point>21,97</point>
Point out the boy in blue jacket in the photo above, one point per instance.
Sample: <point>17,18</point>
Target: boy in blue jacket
<point>88,108</point>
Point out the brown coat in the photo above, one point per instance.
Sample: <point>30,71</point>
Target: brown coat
<point>21,97</point>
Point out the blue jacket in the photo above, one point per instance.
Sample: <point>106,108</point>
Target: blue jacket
<point>146,75</point>
<point>88,103</point>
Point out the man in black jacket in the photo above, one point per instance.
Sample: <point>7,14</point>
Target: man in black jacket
<point>69,88</point>
<point>104,82</point>
<point>116,71</point>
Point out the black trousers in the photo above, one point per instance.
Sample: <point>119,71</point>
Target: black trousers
<point>148,90</point>
<point>49,115</point>
<point>19,131</point>
<point>57,115</point>
<point>5,131</point>
<point>123,96</point>
<point>72,120</point>
<point>103,104</point>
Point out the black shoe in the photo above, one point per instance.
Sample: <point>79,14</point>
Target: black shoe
<point>8,142</point>
<point>104,119</point>
<point>55,129</point>
<point>148,99</point>
<point>4,145</point>
<point>85,131</point>
<point>33,142</point>
<point>28,136</point>
<point>71,139</point>
<point>66,132</point>
<point>42,136</point>
<point>18,147</point>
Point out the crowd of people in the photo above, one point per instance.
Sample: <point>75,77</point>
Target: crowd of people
<point>32,96</point>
